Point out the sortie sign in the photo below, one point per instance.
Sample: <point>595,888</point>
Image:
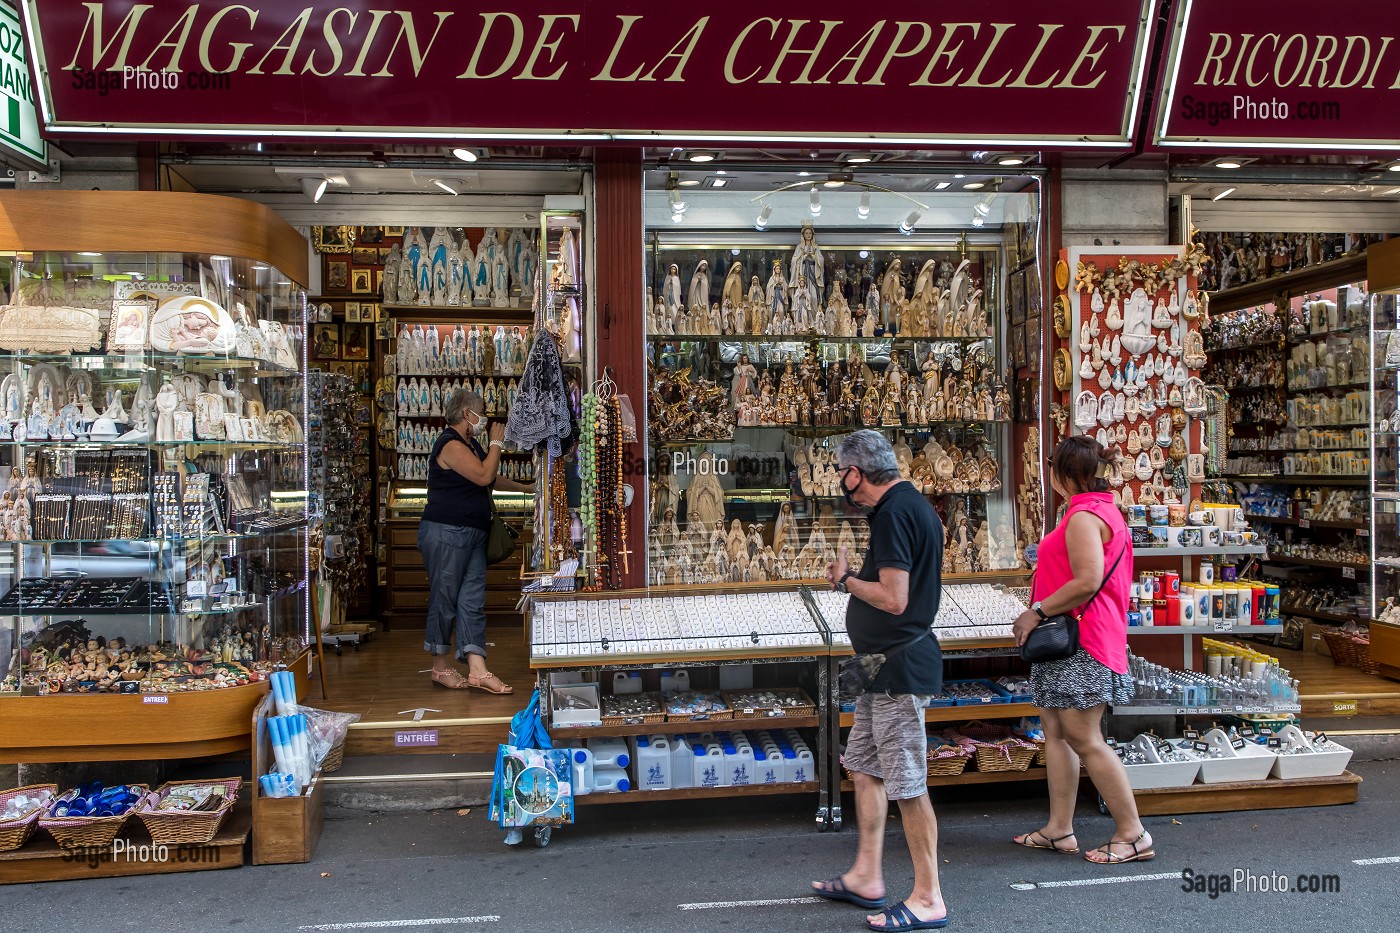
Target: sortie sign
<point>593,69</point>
<point>1302,77</point>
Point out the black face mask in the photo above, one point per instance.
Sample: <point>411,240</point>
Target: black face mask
<point>849,494</point>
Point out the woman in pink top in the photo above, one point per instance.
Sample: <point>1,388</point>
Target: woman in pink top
<point>1091,540</point>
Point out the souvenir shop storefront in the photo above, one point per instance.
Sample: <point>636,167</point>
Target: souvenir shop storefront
<point>713,297</point>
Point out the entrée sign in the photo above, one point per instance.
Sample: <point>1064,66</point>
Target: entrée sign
<point>590,69</point>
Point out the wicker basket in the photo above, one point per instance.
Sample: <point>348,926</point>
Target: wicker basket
<point>1039,754</point>
<point>1005,755</point>
<point>714,715</point>
<point>334,758</point>
<point>947,766</point>
<point>81,832</point>
<point>636,719</point>
<point>186,827</point>
<point>1350,649</point>
<point>742,702</point>
<point>15,833</point>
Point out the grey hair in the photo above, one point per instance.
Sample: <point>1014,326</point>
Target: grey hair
<point>871,453</point>
<point>459,403</point>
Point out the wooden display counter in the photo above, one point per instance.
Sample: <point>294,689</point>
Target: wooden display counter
<point>406,592</point>
<point>134,726</point>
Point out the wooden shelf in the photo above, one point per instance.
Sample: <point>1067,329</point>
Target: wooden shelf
<point>975,777</point>
<point>1330,274</point>
<point>1295,479</point>
<point>1321,616</point>
<point>1318,562</point>
<point>1270,794</point>
<point>1342,526</point>
<point>699,793</point>
<point>41,859</point>
<point>563,733</point>
<point>966,713</point>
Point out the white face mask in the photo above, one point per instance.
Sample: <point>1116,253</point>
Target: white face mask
<point>479,428</point>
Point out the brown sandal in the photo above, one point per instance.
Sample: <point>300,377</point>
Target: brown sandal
<point>484,683</point>
<point>1052,845</point>
<point>1109,857</point>
<point>451,678</point>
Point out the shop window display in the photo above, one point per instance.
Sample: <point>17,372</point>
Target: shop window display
<point>154,512</point>
<point>764,347</point>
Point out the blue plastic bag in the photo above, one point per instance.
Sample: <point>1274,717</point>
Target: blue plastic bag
<point>527,728</point>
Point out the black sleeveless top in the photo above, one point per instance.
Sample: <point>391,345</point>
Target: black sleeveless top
<point>452,498</point>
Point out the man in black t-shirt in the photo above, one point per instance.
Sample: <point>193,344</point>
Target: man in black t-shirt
<point>893,600</point>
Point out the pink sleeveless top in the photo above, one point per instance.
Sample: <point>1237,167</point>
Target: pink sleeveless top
<point>1103,629</point>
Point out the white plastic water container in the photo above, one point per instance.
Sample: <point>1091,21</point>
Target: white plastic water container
<point>801,767</point>
<point>675,681</point>
<point>653,762</point>
<point>625,682</point>
<point>582,760</point>
<point>609,753</point>
<point>770,768</point>
<point>682,763</point>
<point>739,761</point>
<point>610,781</point>
<point>708,763</point>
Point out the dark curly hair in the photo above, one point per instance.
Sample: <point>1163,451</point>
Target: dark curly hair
<point>1082,462</point>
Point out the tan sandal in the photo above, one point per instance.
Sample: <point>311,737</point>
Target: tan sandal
<point>1109,857</point>
<point>1052,845</point>
<point>451,678</point>
<point>485,681</point>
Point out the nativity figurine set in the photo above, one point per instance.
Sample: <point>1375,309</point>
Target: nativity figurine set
<point>806,295</point>
<point>66,657</point>
<point>440,267</point>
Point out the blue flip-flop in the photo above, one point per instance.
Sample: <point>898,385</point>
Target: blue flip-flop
<point>835,890</point>
<point>900,917</point>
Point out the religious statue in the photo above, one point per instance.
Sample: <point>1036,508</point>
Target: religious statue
<point>439,274</point>
<point>671,291</point>
<point>777,300</point>
<point>745,379</point>
<point>699,294</point>
<point>806,268</point>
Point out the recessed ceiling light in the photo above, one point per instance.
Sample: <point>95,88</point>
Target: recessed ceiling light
<point>837,179</point>
<point>720,171</point>
<point>1224,193</point>
<point>860,158</point>
<point>701,155</point>
<point>689,182</point>
<point>719,182</point>
<point>864,254</point>
<point>959,176</point>
<point>1228,163</point>
<point>942,185</point>
<point>1393,167</point>
<point>803,174</point>
<point>974,185</point>
<point>89,253</point>
<point>1012,160</point>
<point>450,185</point>
<point>466,155</point>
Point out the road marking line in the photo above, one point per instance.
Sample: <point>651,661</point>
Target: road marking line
<point>1088,882</point>
<point>381,924</point>
<point>1388,860</point>
<point>778,902</point>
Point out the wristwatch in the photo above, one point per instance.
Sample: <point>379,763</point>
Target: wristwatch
<point>1035,607</point>
<point>841,583</point>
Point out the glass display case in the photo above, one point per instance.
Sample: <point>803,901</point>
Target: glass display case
<point>154,510</point>
<point>1385,472</point>
<point>836,309</point>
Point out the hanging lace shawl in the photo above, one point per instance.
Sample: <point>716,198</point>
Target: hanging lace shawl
<point>541,410</point>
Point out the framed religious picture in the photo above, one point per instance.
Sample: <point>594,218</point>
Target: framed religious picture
<point>363,415</point>
<point>354,344</point>
<point>363,383</point>
<point>370,235</point>
<point>1016,296</point>
<point>378,281</point>
<point>1027,400</point>
<point>365,255</point>
<point>393,231</point>
<point>352,312</point>
<point>127,330</point>
<point>336,240</point>
<point>325,341</point>
<point>1032,292</point>
<point>382,329</point>
<point>1034,340</point>
<point>1018,345</point>
<point>343,369</point>
<point>361,282</point>
<point>337,275</point>
<point>384,253</point>
<point>371,311</point>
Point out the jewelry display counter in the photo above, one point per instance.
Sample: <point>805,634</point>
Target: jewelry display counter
<point>156,519</point>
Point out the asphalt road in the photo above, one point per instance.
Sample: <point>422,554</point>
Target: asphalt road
<point>668,867</point>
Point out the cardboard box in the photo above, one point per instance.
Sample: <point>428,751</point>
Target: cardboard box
<point>1313,640</point>
<point>585,710</point>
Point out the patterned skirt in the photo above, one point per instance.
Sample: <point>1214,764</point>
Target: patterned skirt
<point>1078,682</point>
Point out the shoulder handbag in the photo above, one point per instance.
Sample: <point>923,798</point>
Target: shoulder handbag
<point>500,539</point>
<point>1057,638</point>
<point>858,673</point>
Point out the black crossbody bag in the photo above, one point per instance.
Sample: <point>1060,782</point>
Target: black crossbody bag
<point>1057,638</point>
<point>857,674</point>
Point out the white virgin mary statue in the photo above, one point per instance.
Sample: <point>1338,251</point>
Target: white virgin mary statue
<point>808,267</point>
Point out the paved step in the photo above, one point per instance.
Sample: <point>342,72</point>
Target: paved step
<point>411,782</point>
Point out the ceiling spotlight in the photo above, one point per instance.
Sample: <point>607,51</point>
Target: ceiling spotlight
<point>942,185</point>
<point>677,217</point>
<point>1224,193</point>
<point>450,185</point>
<point>980,155</point>
<point>977,219</point>
<point>677,205</point>
<point>1012,160</point>
<point>688,182</point>
<point>864,254</point>
<point>735,252</point>
<point>815,202</point>
<point>762,222</point>
<point>466,155</point>
<point>864,210</point>
<point>984,206</point>
<point>906,226</point>
<point>701,155</point>
<point>313,187</point>
<point>974,185</point>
